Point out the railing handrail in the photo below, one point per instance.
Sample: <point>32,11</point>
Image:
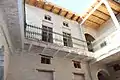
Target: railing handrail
<point>56,33</point>
<point>99,39</point>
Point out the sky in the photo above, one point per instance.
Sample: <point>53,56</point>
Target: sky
<point>77,6</point>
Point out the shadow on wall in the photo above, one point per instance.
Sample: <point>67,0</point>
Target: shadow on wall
<point>102,75</point>
<point>89,39</point>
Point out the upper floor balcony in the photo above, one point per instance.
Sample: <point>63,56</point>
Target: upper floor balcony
<point>107,46</point>
<point>47,42</point>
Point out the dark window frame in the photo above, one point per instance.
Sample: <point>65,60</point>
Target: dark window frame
<point>67,39</point>
<point>47,34</point>
<point>116,67</point>
<point>47,17</point>
<point>45,60</point>
<point>77,64</point>
<point>65,24</point>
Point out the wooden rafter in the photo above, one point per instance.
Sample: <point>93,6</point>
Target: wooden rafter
<point>59,11</point>
<point>93,22</point>
<point>99,17</point>
<point>66,14</point>
<point>51,8</point>
<point>77,18</point>
<point>115,11</point>
<point>102,12</point>
<point>73,16</point>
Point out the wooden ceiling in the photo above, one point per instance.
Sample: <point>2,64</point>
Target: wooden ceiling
<point>55,9</point>
<point>101,15</point>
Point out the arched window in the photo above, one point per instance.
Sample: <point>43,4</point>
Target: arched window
<point>89,39</point>
<point>102,75</point>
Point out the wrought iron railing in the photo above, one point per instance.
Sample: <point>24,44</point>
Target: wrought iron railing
<point>35,33</point>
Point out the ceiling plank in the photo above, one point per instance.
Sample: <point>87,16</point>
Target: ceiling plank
<point>99,17</point>
<point>102,12</point>
<point>93,22</point>
<point>99,14</point>
<point>115,5</point>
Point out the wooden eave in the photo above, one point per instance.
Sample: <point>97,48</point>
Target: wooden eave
<point>101,14</point>
<point>55,9</point>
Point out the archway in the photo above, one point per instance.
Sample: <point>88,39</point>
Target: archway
<point>89,39</point>
<point>102,75</point>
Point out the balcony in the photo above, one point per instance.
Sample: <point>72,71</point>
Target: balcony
<point>107,46</point>
<point>54,44</point>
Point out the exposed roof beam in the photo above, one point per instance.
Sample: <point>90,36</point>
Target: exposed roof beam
<point>59,11</point>
<point>117,25</point>
<point>51,9</point>
<point>43,5</point>
<point>97,6</point>
<point>66,14</point>
<point>93,22</point>
<point>111,8</point>
<point>77,18</point>
<point>98,17</point>
<point>103,12</point>
<point>73,16</point>
<point>114,2</point>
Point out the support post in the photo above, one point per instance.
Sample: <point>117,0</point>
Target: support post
<point>117,25</point>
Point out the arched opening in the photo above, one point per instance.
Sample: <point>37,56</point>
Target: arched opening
<point>102,75</point>
<point>89,39</point>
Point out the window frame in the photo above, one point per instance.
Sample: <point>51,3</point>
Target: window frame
<point>47,60</point>
<point>65,24</point>
<point>116,67</point>
<point>48,17</point>
<point>47,34</point>
<point>68,38</point>
<point>77,64</point>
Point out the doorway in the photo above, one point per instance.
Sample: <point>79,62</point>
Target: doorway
<point>89,40</point>
<point>102,75</point>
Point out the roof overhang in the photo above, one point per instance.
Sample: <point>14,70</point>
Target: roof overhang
<point>55,9</point>
<point>100,14</point>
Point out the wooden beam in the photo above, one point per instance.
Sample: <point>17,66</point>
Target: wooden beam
<point>115,2</point>
<point>92,11</point>
<point>93,22</point>
<point>117,25</point>
<point>99,17</point>
<point>111,8</point>
<point>77,18</point>
<point>66,14</point>
<point>103,12</point>
<point>73,16</point>
<point>43,5</point>
<point>59,11</point>
<point>51,9</point>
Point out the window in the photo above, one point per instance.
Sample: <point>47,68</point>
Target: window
<point>67,39</point>
<point>76,64</point>
<point>47,17</point>
<point>116,67</point>
<point>65,24</point>
<point>47,34</point>
<point>45,60</point>
<point>103,44</point>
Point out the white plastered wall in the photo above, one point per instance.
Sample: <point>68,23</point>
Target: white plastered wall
<point>23,67</point>
<point>95,68</point>
<point>35,16</point>
<point>3,42</point>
